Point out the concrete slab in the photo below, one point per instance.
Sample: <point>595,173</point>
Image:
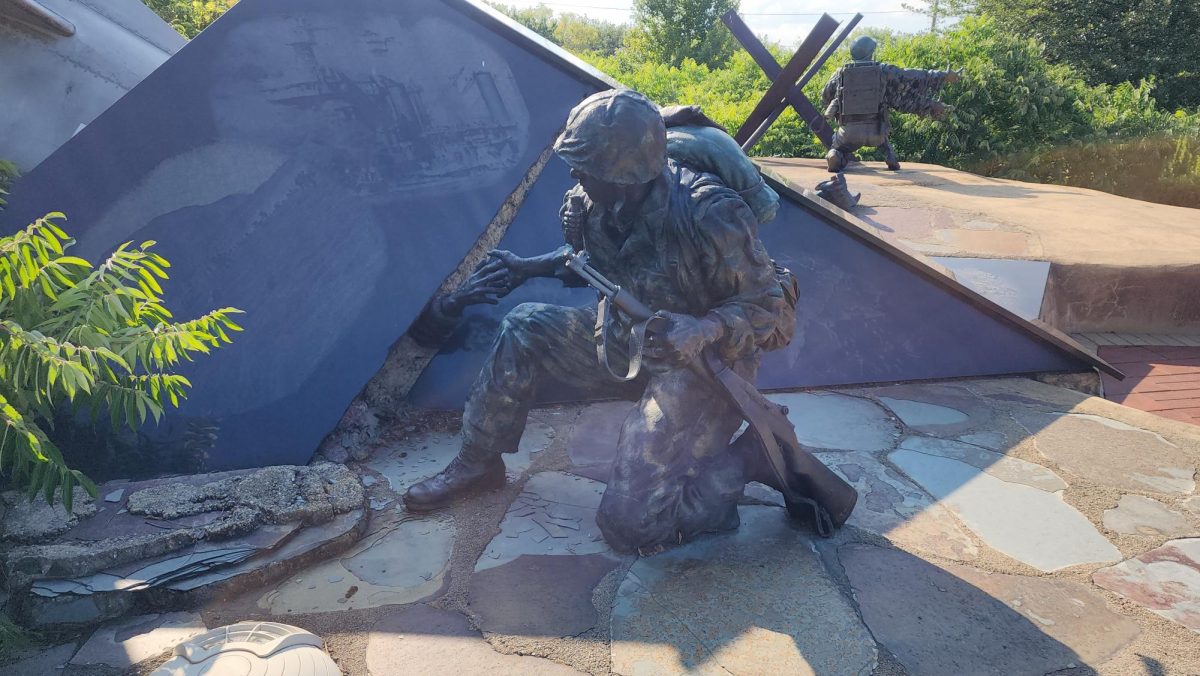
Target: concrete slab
<point>538,595</point>
<point>33,520</point>
<point>955,620</point>
<point>421,640</point>
<point>1139,515</point>
<point>1109,452</point>
<point>890,505</point>
<point>831,421</point>
<point>554,514</point>
<point>425,455</point>
<point>1031,525</point>
<point>756,601</point>
<point>138,639</point>
<point>1090,227</point>
<point>1165,581</point>
<point>401,564</point>
<point>1102,276</point>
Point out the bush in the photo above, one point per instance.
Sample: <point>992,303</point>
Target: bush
<point>85,339</point>
<point>1016,114</point>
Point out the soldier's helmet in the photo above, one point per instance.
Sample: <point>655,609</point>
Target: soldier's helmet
<point>617,136</point>
<point>863,48</point>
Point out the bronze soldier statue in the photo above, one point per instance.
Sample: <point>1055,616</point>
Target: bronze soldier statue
<point>684,244</point>
<point>860,95</point>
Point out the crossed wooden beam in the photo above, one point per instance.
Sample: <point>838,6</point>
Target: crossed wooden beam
<point>787,82</point>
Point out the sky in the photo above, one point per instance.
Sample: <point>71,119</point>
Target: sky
<point>783,21</point>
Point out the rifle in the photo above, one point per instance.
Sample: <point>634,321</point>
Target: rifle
<point>809,487</point>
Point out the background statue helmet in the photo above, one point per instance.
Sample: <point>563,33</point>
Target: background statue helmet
<point>617,136</point>
<point>863,48</point>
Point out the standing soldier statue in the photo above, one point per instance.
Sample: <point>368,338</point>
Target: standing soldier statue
<point>861,94</point>
<point>686,245</point>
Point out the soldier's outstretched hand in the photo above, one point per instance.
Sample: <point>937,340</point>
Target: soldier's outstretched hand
<point>487,285</point>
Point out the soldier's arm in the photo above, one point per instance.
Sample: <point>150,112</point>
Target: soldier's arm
<point>740,272</point>
<point>911,90</point>
<point>830,90</point>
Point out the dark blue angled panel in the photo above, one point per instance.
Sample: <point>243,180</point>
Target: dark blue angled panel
<point>321,165</point>
<point>866,317</point>
<point>863,316</point>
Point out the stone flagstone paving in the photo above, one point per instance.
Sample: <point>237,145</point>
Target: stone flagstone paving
<point>1004,526</point>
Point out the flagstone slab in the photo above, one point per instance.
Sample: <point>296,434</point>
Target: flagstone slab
<point>1109,452</point>
<point>129,642</point>
<point>890,505</point>
<point>839,422</point>
<point>1139,515</point>
<point>555,513</point>
<point>998,465</point>
<point>423,456</point>
<point>936,408</point>
<point>548,595</point>
<point>955,620</point>
<point>592,446</point>
<point>419,641</point>
<point>1029,524</point>
<point>404,563</point>
<point>753,601</point>
<point>1165,581</point>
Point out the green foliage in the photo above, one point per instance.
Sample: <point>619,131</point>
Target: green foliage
<point>672,31</point>
<point>1017,115</point>
<point>1114,41</point>
<point>574,32</point>
<point>189,17</point>
<point>95,339</point>
<point>14,637</point>
<point>939,11</point>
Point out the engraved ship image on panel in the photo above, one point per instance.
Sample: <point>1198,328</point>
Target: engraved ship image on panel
<point>441,126</point>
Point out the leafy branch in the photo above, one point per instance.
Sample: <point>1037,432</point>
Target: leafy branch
<point>97,339</point>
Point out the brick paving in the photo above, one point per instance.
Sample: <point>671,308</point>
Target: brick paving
<point>1162,379</point>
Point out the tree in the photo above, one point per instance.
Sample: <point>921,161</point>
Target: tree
<point>574,32</point>
<point>189,17</point>
<point>100,340</point>
<point>939,10</point>
<point>670,31</point>
<point>1114,41</point>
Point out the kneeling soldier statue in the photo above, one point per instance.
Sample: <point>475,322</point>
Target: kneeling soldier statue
<point>860,95</point>
<point>657,235</point>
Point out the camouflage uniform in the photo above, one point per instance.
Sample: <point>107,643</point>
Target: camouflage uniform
<point>860,96</point>
<point>692,248</point>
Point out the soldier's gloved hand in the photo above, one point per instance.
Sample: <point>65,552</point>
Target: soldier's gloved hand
<point>488,284</point>
<point>519,269</point>
<point>684,338</point>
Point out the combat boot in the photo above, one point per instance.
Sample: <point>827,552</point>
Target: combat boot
<point>889,157</point>
<point>470,472</point>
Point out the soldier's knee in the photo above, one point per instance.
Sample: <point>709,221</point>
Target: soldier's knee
<point>522,318</point>
<point>836,160</point>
